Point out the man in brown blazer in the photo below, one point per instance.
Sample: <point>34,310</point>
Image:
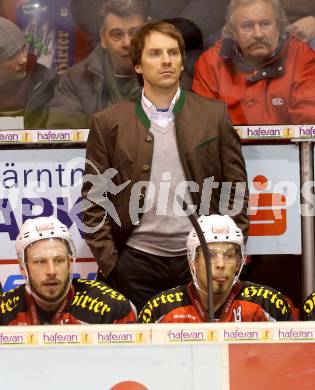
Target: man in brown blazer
<point>140,155</point>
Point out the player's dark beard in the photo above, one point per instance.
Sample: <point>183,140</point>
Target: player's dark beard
<point>47,299</point>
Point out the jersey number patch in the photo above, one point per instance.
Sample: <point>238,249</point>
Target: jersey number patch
<point>237,314</point>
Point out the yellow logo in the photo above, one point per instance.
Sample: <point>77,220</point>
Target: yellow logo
<point>266,335</point>
<point>288,132</point>
<point>140,338</point>
<point>78,136</point>
<point>31,339</point>
<point>86,338</point>
<point>212,335</point>
<point>26,136</point>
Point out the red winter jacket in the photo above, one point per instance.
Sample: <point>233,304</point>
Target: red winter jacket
<point>281,91</point>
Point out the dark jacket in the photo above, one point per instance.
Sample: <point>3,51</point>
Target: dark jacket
<point>208,146</point>
<point>297,9</point>
<point>80,92</point>
<point>39,92</point>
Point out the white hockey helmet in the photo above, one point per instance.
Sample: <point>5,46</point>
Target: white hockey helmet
<point>42,228</point>
<point>215,228</point>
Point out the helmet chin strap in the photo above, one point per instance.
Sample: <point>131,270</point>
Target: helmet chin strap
<point>237,276</point>
<point>200,289</point>
<point>196,284</point>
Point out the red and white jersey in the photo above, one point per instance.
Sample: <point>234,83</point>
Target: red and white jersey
<point>87,302</point>
<point>247,302</point>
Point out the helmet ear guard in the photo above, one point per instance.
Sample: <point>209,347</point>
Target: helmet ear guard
<point>216,228</point>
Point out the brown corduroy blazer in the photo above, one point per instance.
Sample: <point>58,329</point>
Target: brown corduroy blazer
<point>120,138</point>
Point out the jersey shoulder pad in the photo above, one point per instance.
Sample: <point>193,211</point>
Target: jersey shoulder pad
<point>270,300</point>
<point>12,302</point>
<point>307,311</point>
<point>97,303</point>
<point>96,288</point>
<point>162,303</point>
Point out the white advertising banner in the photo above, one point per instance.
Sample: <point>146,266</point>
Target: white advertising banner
<point>119,368</point>
<point>46,182</point>
<point>40,182</point>
<point>216,356</point>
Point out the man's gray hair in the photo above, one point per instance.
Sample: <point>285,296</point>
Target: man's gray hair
<point>281,18</point>
<point>124,9</point>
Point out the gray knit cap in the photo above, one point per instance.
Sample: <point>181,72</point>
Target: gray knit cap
<point>11,39</point>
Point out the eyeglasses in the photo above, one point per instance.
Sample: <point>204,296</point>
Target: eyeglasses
<point>117,34</point>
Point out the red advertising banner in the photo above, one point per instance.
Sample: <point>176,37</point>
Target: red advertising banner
<point>272,366</point>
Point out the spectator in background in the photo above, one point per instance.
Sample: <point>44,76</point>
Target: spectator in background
<point>208,15</point>
<point>263,74</point>
<point>193,41</point>
<point>106,76</point>
<point>25,85</point>
<point>46,256</point>
<point>88,16</point>
<point>301,16</point>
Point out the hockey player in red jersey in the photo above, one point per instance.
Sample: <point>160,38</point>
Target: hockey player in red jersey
<point>46,255</point>
<point>234,300</point>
